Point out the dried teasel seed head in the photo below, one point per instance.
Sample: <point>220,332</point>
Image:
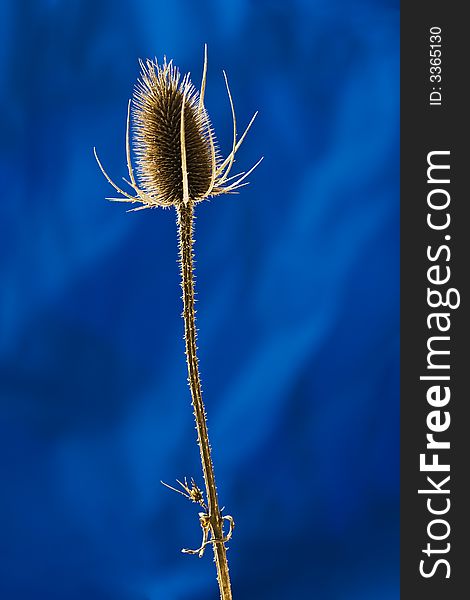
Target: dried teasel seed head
<point>158,109</point>
<point>177,156</point>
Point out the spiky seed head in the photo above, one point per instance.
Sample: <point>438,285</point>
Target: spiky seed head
<point>177,156</point>
<point>158,102</point>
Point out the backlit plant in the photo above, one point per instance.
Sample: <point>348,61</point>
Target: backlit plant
<point>179,165</point>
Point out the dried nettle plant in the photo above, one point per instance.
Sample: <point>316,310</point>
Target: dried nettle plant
<point>179,164</point>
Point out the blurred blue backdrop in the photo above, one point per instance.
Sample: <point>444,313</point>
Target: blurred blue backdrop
<point>298,306</point>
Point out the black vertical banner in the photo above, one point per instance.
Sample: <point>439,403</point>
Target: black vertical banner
<point>435,300</point>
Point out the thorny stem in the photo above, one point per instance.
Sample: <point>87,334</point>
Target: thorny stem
<point>185,237</point>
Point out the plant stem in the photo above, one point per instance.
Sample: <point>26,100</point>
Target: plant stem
<point>186,242</point>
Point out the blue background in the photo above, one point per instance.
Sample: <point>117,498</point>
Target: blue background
<point>298,306</point>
